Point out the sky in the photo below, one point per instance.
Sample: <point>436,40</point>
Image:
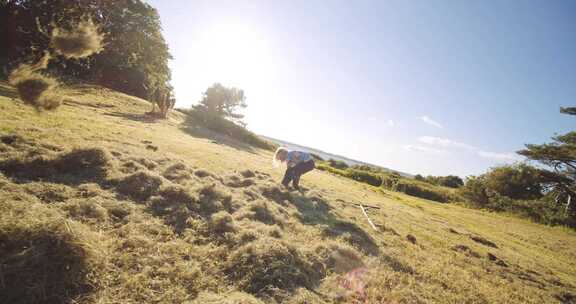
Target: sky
<point>422,86</point>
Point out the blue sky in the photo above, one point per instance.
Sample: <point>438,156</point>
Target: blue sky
<point>430,87</point>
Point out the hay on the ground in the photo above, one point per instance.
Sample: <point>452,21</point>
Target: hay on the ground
<point>235,297</point>
<point>140,186</point>
<point>45,258</point>
<point>74,167</point>
<point>270,267</point>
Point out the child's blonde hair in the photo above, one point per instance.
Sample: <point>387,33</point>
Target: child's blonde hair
<point>275,161</point>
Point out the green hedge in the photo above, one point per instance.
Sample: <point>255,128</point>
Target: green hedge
<point>392,181</point>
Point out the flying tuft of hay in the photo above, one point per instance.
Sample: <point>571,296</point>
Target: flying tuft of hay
<point>83,41</point>
<point>34,88</point>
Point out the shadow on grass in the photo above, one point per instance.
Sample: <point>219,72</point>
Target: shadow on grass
<point>316,211</point>
<point>95,105</point>
<point>133,117</point>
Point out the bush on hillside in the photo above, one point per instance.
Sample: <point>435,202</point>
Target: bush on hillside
<point>451,181</point>
<point>421,190</point>
<point>515,189</point>
<point>201,118</point>
<point>365,177</point>
<point>338,164</point>
<point>394,182</point>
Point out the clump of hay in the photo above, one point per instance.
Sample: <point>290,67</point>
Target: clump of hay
<point>178,173</point>
<point>178,195</point>
<point>270,267</point>
<point>247,173</point>
<point>83,159</point>
<point>275,193</point>
<point>213,199</point>
<point>86,210</point>
<point>342,259</point>
<point>170,198</point>
<point>201,173</point>
<point>222,222</point>
<point>140,186</point>
<point>176,206</point>
<point>82,41</point>
<point>45,258</point>
<point>262,212</point>
<point>49,192</point>
<point>236,181</point>
<point>131,167</point>
<point>73,167</point>
<point>35,89</point>
<point>235,297</point>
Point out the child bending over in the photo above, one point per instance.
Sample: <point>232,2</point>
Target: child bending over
<point>297,163</point>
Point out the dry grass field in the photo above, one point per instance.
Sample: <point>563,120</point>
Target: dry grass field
<point>99,204</point>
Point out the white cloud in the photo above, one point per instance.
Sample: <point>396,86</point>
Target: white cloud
<point>434,143</point>
<point>499,156</point>
<point>416,148</point>
<point>390,123</point>
<point>430,121</point>
<point>445,142</point>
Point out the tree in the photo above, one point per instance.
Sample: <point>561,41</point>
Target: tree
<point>419,177</point>
<point>451,181</point>
<point>520,182</point>
<point>135,59</point>
<point>223,102</point>
<point>560,157</point>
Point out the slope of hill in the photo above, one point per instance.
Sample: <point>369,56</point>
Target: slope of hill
<point>98,204</point>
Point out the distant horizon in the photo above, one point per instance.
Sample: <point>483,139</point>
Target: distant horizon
<point>435,87</point>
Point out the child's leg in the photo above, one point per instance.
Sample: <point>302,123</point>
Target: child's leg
<point>301,169</point>
<point>288,176</point>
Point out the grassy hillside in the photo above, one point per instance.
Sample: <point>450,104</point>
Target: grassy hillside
<point>98,204</point>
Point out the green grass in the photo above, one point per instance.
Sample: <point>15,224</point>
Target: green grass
<point>212,224</point>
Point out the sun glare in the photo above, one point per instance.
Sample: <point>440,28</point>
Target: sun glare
<point>233,55</point>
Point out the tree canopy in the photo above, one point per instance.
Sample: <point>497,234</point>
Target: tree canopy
<point>224,102</point>
<point>135,58</point>
<point>560,157</point>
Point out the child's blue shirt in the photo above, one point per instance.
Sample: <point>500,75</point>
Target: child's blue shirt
<point>295,157</point>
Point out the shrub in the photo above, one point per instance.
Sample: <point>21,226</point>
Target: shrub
<point>515,189</point>
<point>338,164</point>
<point>474,191</point>
<point>365,177</point>
<point>416,188</point>
<point>422,191</point>
<point>201,118</point>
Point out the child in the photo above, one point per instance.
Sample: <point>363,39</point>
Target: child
<point>297,163</point>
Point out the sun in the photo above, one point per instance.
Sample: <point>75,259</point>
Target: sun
<point>233,55</point>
